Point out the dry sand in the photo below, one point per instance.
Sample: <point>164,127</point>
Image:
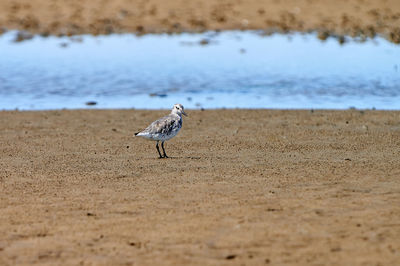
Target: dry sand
<point>363,18</point>
<point>244,187</point>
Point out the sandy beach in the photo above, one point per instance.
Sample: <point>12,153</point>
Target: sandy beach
<point>361,18</point>
<point>243,187</point>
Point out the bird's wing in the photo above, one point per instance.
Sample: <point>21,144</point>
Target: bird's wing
<point>163,125</point>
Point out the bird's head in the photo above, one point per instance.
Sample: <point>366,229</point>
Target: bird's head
<point>178,109</point>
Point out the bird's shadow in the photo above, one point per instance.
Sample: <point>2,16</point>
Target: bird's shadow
<point>187,157</point>
<point>174,158</point>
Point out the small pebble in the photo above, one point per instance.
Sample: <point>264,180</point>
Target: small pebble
<point>90,103</point>
<point>230,257</point>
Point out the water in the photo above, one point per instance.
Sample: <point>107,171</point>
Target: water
<point>235,69</point>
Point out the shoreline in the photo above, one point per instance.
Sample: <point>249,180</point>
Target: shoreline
<point>363,19</point>
<point>201,109</point>
<point>242,186</point>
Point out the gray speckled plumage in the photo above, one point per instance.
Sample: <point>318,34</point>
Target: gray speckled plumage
<point>164,128</point>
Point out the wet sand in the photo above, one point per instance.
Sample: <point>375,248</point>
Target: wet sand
<point>243,187</point>
<point>362,18</point>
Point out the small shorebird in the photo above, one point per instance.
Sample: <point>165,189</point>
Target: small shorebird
<point>164,128</point>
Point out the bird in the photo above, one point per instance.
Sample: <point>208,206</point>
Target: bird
<point>164,128</point>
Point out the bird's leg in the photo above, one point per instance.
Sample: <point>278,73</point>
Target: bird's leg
<point>162,146</point>
<point>158,149</point>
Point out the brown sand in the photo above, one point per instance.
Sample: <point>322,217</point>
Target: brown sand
<point>363,18</point>
<point>243,187</point>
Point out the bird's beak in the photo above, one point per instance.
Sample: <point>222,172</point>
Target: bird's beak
<point>183,112</point>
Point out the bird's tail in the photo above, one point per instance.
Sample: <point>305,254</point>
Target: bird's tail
<point>136,133</point>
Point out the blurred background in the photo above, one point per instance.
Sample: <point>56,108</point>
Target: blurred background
<point>203,54</point>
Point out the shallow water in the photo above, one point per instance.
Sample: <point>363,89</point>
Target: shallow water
<point>235,69</point>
